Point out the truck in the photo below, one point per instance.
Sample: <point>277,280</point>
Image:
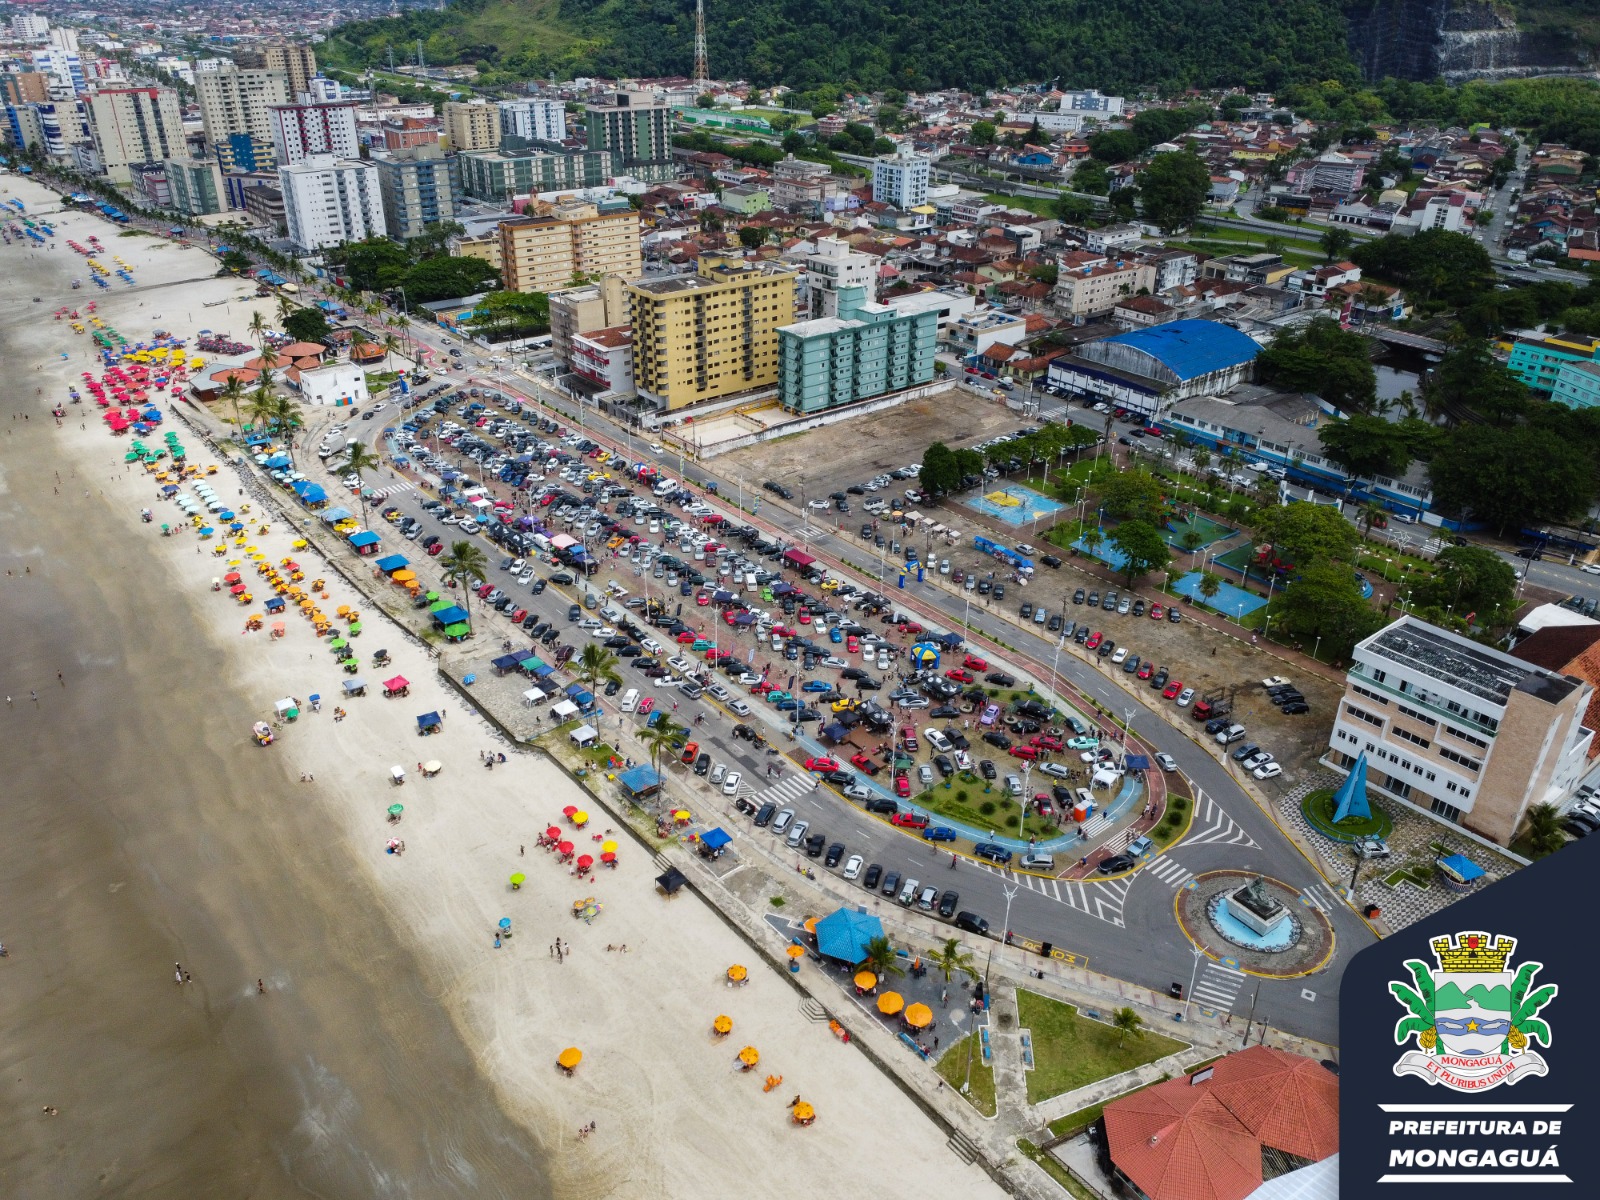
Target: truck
<point>1215,703</point>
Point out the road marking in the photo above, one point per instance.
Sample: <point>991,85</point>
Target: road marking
<point>1218,827</point>
<point>1103,901</point>
<point>393,489</point>
<point>1171,873</point>
<point>1218,986</point>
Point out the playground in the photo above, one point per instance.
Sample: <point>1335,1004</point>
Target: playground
<point>1017,505</point>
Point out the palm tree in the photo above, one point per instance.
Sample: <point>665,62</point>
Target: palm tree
<point>285,310</point>
<point>1192,540</point>
<point>597,665</point>
<point>1371,513</point>
<point>263,407</point>
<point>362,459</point>
<point>1127,1021</point>
<point>287,413</point>
<point>1267,491</point>
<point>358,339</point>
<point>1209,585</point>
<point>464,563</point>
<point>1202,458</point>
<point>232,390</point>
<point>1542,832</point>
<point>1092,538</point>
<point>390,344</point>
<point>881,958</point>
<point>658,739</point>
<point>269,360</point>
<point>953,958</point>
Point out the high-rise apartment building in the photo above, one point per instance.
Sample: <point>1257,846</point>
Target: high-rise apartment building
<point>329,201</point>
<point>545,253</point>
<point>711,334</point>
<point>579,310</point>
<point>419,187</point>
<point>25,87</point>
<point>297,62</point>
<point>901,178</point>
<point>135,125</point>
<point>30,27</point>
<point>534,120</point>
<point>301,130</point>
<point>196,186</point>
<point>235,108</point>
<point>1460,729</point>
<point>471,125</point>
<point>636,129</point>
<point>498,175</point>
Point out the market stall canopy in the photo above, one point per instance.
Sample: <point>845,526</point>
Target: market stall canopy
<point>391,562</point>
<point>364,537</point>
<point>715,839</point>
<point>640,781</point>
<point>844,934</point>
<point>355,685</point>
<point>583,735</point>
<point>429,721</point>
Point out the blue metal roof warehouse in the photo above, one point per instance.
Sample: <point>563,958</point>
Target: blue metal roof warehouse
<point>1148,370</point>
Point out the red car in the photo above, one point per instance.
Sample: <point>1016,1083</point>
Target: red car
<point>823,765</point>
<point>959,675</point>
<point>1028,753</point>
<point>517,615</point>
<point>860,759</point>
<point>718,655</point>
<point>702,599</point>
<point>687,637</point>
<point>436,549</point>
<point>1045,741</point>
<point>908,738</point>
<point>1172,689</point>
<point>483,589</point>
<point>973,663</point>
<point>907,820</point>
<point>1146,669</point>
<point>902,786</point>
<point>1157,612</point>
<point>762,688</point>
<point>852,644</point>
<point>910,627</point>
<point>1095,639</point>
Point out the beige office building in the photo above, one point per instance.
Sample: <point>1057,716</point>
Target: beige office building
<point>235,109</point>
<point>1459,729</point>
<point>471,125</point>
<point>297,62</point>
<point>135,125</point>
<point>711,334</point>
<point>546,253</point>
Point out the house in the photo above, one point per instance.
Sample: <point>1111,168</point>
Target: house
<point>1316,282</point>
<point>1112,238</point>
<point>1368,301</point>
<point>1142,311</point>
<point>1250,269</point>
<point>1224,191</point>
<point>1090,291</point>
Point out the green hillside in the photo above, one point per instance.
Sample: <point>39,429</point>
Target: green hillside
<point>908,44</point>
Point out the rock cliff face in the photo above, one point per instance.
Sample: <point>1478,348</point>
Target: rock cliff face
<point>1453,40</point>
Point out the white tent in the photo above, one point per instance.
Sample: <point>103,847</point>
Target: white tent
<point>1106,777</point>
<point>533,696</point>
<point>565,710</point>
<point>583,735</point>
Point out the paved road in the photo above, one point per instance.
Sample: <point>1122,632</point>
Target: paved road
<point>1125,927</point>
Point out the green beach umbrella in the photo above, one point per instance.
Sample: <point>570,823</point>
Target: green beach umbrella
<point>518,879</point>
<point>337,644</point>
<point>396,809</point>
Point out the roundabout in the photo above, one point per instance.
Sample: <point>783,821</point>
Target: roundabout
<point>1255,924</point>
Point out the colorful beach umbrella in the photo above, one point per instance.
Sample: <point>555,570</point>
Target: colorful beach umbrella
<point>890,1003</point>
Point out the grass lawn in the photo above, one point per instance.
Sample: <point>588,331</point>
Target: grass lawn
<point>952,1068</point>
<point>1070,1051</point>
<point>1210,245</point>
<point>1227,233</point>
<point>1002,815</point>
<point>1038,205</point>
<point>1073,1122</point>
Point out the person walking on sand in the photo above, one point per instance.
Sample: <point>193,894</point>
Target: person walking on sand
<point>261,988</point>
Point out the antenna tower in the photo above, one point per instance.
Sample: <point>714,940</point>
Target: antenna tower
<point>702,65</point>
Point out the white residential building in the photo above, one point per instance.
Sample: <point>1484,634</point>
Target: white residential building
<point>30,27</point>
<point>329,201</point>
<point>534,120</point>
<point>335,384</point>
<point>901,178</point>
<point>832,270</point>
<point>135,125</point>
<point>301,130</point>
<point>1092,102</point>
<point>234,108</point>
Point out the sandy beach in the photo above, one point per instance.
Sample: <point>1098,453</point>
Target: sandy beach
<point>395,1050</point>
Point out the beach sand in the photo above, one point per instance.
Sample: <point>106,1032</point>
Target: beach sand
<point>396,1050</point>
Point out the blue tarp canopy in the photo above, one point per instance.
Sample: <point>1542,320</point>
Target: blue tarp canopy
<point>844,934</point>
<point>364,538</point>
<point>640,781</point>
<point>836,732</point>
<point>716,839</point>
<point>1462,867</point>
<point>429,721</point>
<point>1137,762</point>
<point>506,662</point>
<point>450,616</point>
<point>312,493</point>
<point>391,562</point>
<point>277,462</point>
<point>334,515</point>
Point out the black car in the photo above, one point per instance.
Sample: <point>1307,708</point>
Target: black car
<point>613,687</point>
<point>1051,561</point>
<point>814,845</point>
<point>1159,679</point>
<point>971,922</point>
<point>1117,864</point>
<point>945,711</point>
<point>1057,621</point>
<point>745,732</point>
<point>1130,664</point>
<point>891,883</point>
<point>839,778</point>
<point>1082,635</point>
<point>870,879</point>
<point>947,904</point>
<point>764,816</point>
<point>1295,708</point>
<point>1077,596</point>
<point>992,852</point>
<point>995,738</point>
<point>1026,612</point>
<point>946,767</point>
<point>835,853</point>
<point>1000,679</point>
<point>986,769</point>
<point>745,805</point>
<point>880,805</point>
<point>1218,724</point>
<point>702,765</point>
<point>1106,648</point>
<point>1094,599</point>
<point>999,591</point>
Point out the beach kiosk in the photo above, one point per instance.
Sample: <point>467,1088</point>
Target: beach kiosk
<point>364,542</point>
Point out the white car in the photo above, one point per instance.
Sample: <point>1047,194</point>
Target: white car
<point>1271,771</point>
<point>1120,655</point>
<point>963,761</point>
<point>1589,568</point>
<point>517,564</point>
<point>1167,762</point>
<point>883,660</point>
<point>834,661</point>
<point>1184,697</point>
<point>730,783</point>
<point>852,866</point>
<point>656,447</point>
<point>937,740</point>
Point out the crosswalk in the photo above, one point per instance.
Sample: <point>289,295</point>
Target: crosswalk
<point>394,489</point>
<point>785,791</point>
<point>1320,897</point>
<point>1103,901</point>
<point>1212,824</point>
<point>1169,871</point>
<point>1218,986</point>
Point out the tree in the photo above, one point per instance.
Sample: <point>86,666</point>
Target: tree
<point>375,264</point>
<point>705,100</point>
<point>1541,831</point>
<point>1470,378</point>
<point>1092,538</point>
<point>1470,579</point>
<point>1143,546</point>
<point>1127,1021</point>
<point>1302,534</point>
<point>465,564</point>
<point>289,416</point>
<point>308,325</point>
<point>1210,585</point>
<point>232,390</point>
<point>258,328</point>
<point>1114,146</point>
<point>1133,495</point>
<point>447,279</point>
<point>1436,264</point>
<point>236,261</point>
<point>263,407</point>
<point>1074,210</point>
<point>1336,242</point>
<point>362,459</point>
<point>1324,600</point>
<point>1366,446</point>
<point>504,315</point>
<point>1510,477</point>
<point>1324,359</point>
<point>881,958</point>
<point>940,474</point>
<point>982,133</point>
<point>752,236</point>
<point>1174,188</point>
<point>952,958</point>
<point>597,665</point>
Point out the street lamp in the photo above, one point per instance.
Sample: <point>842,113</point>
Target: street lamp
<point>1022,818</point>
<point>1188,995</point>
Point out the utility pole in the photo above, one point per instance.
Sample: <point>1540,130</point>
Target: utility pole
<point>1251,1018</point>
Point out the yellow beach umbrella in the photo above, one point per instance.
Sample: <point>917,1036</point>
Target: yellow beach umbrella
<point>609,846</point>
<point>749,1056</point>
<point>580,819</point>
<point>682,814</point>
<point>723,1024</point>
<point>890,1003</point>
<point>804,1112</point>
<point>569,1058</point>
<point>919,1016</point>
<point>737,973</point>
<point>866,979</point>
<point>796,951</point>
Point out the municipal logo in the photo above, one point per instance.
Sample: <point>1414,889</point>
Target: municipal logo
<point>1474,1020</point>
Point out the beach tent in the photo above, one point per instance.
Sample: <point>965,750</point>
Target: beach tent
<point>564,710</point>
<point>365,542</point>
<point>583,735</point>
<point>458,632</point>
<point>639,782</point>
<point>391,563</point>
<point>334,515</point>
<point>671,880</point>
<point>449,615</point>
<point>506,662</point>
<point>428,722</point>
<point>844,934</point>
<point>1460,868</point>
<point>715,839</point>
<point>533,696</point>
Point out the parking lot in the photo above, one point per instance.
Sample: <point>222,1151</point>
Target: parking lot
<point>834,457</point>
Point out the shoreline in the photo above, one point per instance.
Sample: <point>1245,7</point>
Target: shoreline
<point>422,1057</point>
